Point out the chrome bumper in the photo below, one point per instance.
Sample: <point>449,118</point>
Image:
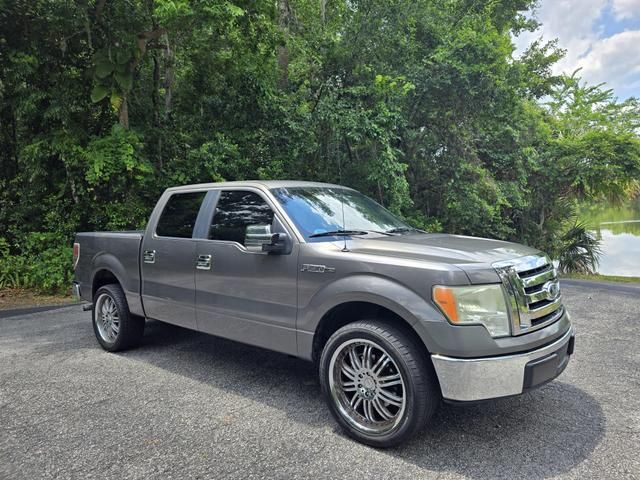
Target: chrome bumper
<point>474,379</point>
<point>75,291</point>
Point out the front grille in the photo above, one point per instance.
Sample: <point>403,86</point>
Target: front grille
<point>548,318</point>
<point>534,291</point>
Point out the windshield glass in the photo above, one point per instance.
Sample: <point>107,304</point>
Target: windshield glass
<point>316,210</point>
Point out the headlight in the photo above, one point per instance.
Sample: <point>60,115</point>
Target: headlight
<point>475,304</point>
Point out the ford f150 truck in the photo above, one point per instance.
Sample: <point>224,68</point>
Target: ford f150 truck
<point>397,319</point>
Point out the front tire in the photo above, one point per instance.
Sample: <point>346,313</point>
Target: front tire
<point>377,382</point>
<point>115,327</point>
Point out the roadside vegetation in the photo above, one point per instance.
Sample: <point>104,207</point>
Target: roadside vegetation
<point>419,104</point>
<point>19,298</point>
<point>601,278</point>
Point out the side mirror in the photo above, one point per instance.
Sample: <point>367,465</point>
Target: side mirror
<point>256,236</point>
<point>279,244</point>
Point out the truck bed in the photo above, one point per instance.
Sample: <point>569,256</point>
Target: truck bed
<point>116,252</point>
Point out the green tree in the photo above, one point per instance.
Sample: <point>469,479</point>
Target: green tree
<point>418,103</point>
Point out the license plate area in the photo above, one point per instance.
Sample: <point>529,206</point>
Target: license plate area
<point>543,370</point>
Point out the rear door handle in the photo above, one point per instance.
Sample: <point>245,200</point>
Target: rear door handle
<point>149,256</point>
<point>203,262</point>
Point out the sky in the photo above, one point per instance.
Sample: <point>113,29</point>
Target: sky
<point>600,36</point>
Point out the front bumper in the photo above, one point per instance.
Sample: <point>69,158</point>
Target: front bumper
<point>475,379</point>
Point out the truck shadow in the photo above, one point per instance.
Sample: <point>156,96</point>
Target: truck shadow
<point>541,434</point>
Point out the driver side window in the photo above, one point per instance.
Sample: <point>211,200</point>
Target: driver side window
<point>243,217</point>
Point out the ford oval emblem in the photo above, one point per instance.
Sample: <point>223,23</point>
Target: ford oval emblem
<point>552,289</point>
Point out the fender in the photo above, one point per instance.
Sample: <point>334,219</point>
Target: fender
<point>371,288</point>
<point>130,282</point>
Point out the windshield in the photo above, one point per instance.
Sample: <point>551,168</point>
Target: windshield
<point>316,210</point>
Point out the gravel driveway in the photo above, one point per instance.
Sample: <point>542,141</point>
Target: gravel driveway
<point>187,405</point>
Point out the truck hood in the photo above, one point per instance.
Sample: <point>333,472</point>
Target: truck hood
<point>473,255</point>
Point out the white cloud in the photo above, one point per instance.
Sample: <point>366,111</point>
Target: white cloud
<point>572,23</point>
<point>615,59</point>
<point>624,9</point>
<point>579,27</point>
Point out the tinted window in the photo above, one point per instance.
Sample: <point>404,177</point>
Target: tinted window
<point>179,215</point>
<point>242,217</point>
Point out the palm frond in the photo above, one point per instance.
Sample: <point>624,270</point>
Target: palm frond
<point>580,250</point>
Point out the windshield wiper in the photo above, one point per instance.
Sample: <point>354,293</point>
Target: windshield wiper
<point>339,233</point>
<point>380,232</point>
<point>402,230</point>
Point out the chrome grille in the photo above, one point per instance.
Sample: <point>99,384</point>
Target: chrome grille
<point>534,292</point>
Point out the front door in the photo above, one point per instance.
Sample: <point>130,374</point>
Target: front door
<point>169,261</point>
<point>243,293</point>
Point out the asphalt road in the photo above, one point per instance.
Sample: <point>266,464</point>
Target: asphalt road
<point>187,405</point>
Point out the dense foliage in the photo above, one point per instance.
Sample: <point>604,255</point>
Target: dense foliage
<point>418,103</point>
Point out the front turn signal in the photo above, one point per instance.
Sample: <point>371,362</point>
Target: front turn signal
<point>446,300</point>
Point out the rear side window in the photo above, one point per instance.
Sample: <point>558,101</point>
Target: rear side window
<point>242,217</point>
<point>179,215</point>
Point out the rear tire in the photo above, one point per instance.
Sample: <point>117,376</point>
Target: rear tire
<point>378,383</point>
<point>115,327</point>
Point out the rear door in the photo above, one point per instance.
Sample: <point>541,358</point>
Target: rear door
<point>168,259</point>
<point>243,293</point>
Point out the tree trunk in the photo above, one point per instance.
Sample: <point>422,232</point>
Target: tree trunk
<point>72,184</point>
<point>168,79</point>
<point>283,50</point>
<point>99,9</point>
<point>155,100</point>
<point>9,141</point>
<point>87,28</point>
<point>123,113</point>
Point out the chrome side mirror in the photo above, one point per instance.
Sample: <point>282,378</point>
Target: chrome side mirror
<point>256,236</point>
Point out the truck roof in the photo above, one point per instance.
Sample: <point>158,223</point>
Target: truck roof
<point>269,184</point>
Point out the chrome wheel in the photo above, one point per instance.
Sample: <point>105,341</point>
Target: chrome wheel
<point>367,386</point>
<point>107,318</point>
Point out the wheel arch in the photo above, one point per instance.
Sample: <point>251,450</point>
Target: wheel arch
<point>360,296</point>
<point>101,278</point>
<point>352,311</point>
<point>107,268</point>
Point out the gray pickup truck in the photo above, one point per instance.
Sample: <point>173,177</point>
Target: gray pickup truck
<point>396,319</point>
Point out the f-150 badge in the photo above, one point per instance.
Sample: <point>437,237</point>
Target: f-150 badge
<point>307,267</point>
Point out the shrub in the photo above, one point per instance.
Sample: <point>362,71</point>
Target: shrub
<point>579,250</point>
<point>13,272</point>
<point>43,262</point>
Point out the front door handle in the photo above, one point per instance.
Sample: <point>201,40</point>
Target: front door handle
<point>203,262</point>
<point>149,256</point>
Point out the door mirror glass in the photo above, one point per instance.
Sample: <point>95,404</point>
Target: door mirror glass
<point>256,236</point>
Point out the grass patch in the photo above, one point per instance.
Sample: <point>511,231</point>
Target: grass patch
<point>605,278</point>
<point>11,298</point>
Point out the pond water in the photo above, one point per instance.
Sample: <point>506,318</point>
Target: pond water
<point>618,226</point>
